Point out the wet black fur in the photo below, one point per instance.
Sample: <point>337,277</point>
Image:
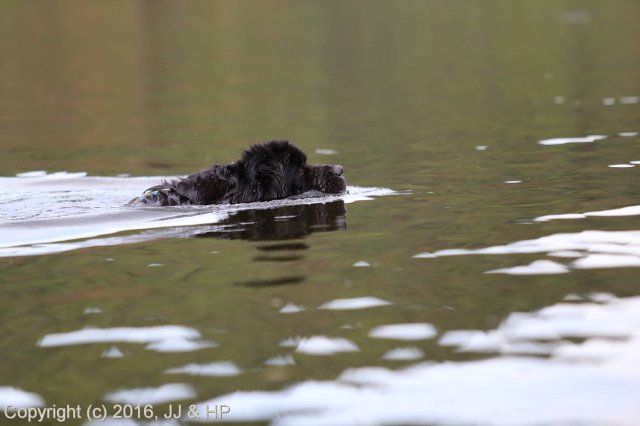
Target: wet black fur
<point>269,171</point>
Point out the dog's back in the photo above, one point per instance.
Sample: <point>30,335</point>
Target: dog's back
<point>209,186</point>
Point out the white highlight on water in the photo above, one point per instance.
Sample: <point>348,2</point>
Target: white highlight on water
<point>537,267</point>
<point>322,345</point>
<point>354,303</point>
<point>403,354</point>
<point>214,369</point>
<point>280,361</point>
<point>18,398</point>
<point>119,334</point>
<point>628,100</point>
<point>562,141</point>
<point>291,308</point>
<point>593,380</point>
<point>323,151</point>
<point>160,395</point>
<point>180,344</point>
<point>113,352</point>
<point>409,331</point>
<point>598,249</point>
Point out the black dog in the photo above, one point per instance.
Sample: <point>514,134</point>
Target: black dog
<point>269,171</point>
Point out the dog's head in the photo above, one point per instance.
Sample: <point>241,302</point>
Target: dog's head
<point>277,169</point>
<point>326,178</point>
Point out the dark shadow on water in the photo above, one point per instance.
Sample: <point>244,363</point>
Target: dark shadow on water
<point>283,246</point>
<point>288,280</point>
<point>284,258</point>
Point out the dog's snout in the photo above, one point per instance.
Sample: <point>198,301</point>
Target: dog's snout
<point>337,169</point>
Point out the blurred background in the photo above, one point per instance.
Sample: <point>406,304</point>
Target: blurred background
<point>153,87</point>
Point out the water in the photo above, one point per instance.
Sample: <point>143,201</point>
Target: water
<point>482,270</point>
<point>45,211</point>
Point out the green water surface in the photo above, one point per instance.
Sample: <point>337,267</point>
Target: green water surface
<point>404,91</point>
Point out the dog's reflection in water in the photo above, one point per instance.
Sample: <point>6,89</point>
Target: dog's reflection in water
<point>276,227</point>
<point>282,223</point>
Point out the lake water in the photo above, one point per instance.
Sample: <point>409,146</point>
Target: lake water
<point>481,270</point>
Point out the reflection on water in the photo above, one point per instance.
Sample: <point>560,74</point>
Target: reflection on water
<point>403,354</point>
<point>404,331</point>
<point>354,303</point>
<point>322,345</point>
<point>19,398</point>
<point>483,115</point>
<point>563,141</point>
<point>285,280</point>
<point>164,335</point>
<point>588,249</point>
<point>218,369</point>
<point>591,381</point>
<point>282,223</point>
<point>166,393</point>
<point>40,213</point>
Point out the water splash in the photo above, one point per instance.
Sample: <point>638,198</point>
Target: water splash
<point>51,213</point>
